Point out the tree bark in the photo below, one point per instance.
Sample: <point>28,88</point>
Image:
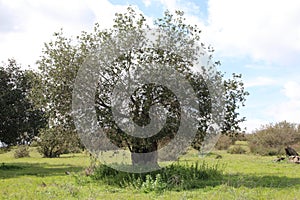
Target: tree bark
<point>145,155</point>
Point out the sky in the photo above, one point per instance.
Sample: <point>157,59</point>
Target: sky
<point>258,38</point>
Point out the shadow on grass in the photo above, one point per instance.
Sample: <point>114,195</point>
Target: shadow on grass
<point>249,181</point>
<point>254,181</point>
<point>12,170</point>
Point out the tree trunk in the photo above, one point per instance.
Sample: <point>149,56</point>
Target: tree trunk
<point>142,155</point>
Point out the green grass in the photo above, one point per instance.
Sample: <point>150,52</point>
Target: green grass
<point>245,176</point>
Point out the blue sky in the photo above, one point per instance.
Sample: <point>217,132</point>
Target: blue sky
<point>258,38</point>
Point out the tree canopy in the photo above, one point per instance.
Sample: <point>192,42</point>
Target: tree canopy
<point>176,47</point>
<point>20,121</point>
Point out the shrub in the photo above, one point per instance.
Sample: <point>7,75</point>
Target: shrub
<point>51,143</point>
<point>273,138</point>
<point>237,149</point>
<point>55,141</point>
<point>265,151</point>
<point>22,151</point>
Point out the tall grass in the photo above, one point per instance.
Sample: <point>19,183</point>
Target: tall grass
<point>173,177</point>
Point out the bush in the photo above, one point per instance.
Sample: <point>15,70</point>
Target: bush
<point>237,149</point>
<point>265,151</point>
<point>273,138</point>
<point>50,144</point>
<point>22,151</point>
<point>174,176</point>
<point>56,141</point>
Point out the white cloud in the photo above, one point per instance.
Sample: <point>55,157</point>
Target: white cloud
<point>261,81</point>
<point>171,5</point>
<point>191,9</point>
<point>265,30</point>
<point>253,124</point>
<point>25,33</point>
<point>292,90</point>
<point>147,3</point>
<point>105,11</point>
<point>37,21</point>
<point>290,109</point>
<point>260,66</point>
<point>261,30</point>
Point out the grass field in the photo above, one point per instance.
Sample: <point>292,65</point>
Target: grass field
<point>244,176</point>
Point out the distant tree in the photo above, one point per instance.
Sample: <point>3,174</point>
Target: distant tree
<point>19,120</point>
<point>52,93</point>
<point>62,58</point>
<point>271,139</point>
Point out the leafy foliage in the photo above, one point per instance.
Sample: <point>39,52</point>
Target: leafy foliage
<point>53,93</point>
<point>19,120</point>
